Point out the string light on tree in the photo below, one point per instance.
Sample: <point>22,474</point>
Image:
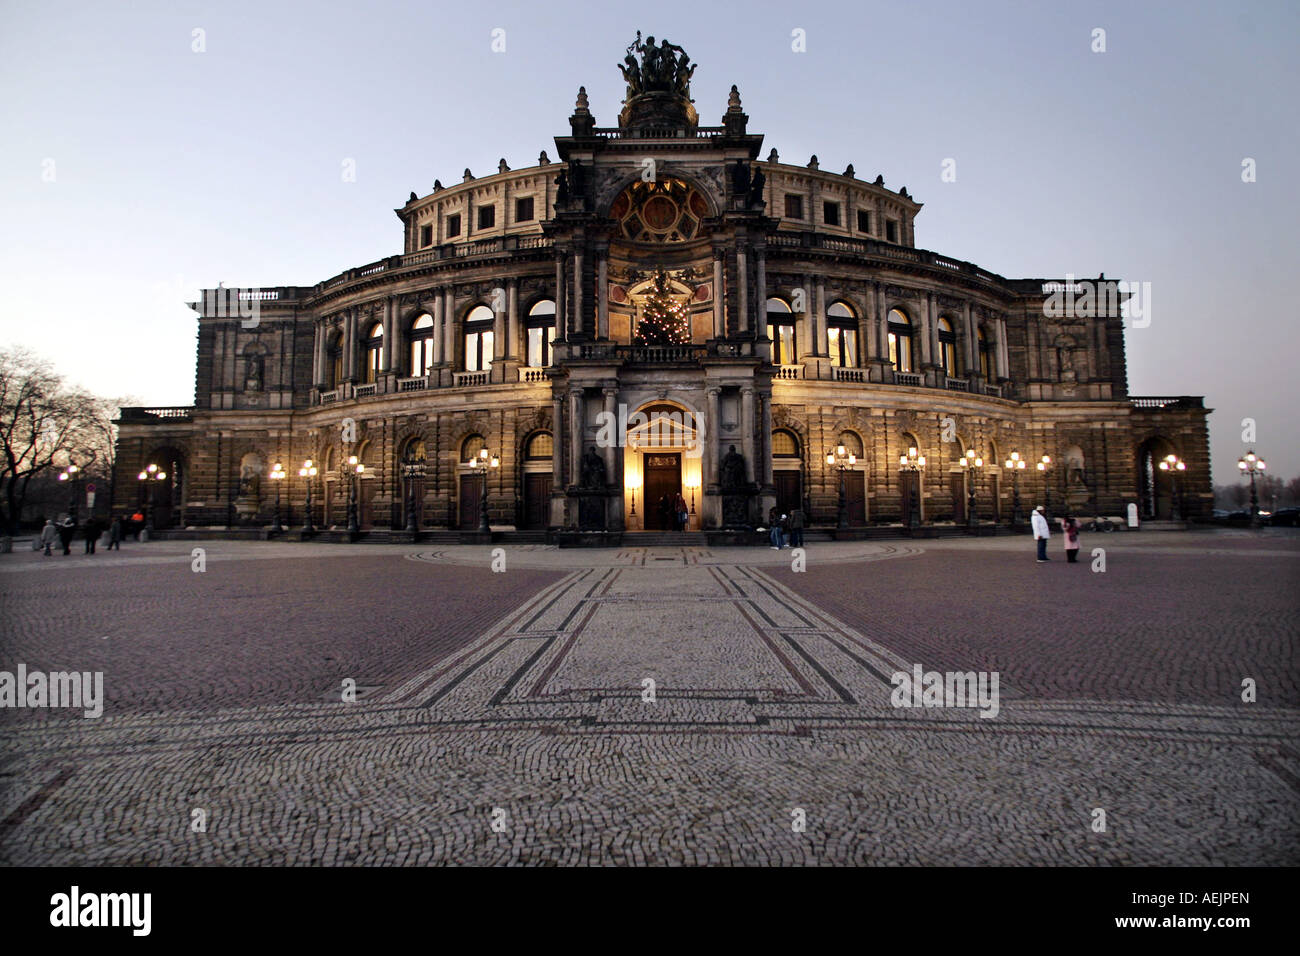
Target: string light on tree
<point>664,318</point>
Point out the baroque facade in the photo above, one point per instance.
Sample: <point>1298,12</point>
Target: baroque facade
<point>503,353</point>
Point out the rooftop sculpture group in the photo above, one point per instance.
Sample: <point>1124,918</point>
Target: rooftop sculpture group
<point>663,68</point>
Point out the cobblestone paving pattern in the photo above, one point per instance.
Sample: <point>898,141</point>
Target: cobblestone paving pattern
<point>519,698</point>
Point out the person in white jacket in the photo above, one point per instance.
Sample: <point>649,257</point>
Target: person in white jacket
<point>1041,532</point>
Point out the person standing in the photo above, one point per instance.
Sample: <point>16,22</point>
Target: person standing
<point>48,534</point>
<point>91,531</point>
<point>1041,532</point>
<point>796,528</point>
<point>115,534</point>
<point>1070,531</point>
<point>681,513</point>
<point>774,528</point>
<point>67,531</point>
<point>785,531</point>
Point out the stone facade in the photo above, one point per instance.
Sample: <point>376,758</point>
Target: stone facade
<point>508,323</point>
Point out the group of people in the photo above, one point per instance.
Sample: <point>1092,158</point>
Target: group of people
<point>65,532</point>
<point>785,530</point>
<point>1043,531</point>
<point>673,513</point>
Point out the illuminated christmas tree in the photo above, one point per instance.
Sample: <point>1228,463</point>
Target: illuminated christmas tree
<point>664,319</point>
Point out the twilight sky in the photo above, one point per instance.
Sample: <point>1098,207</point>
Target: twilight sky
<point>136,170</point>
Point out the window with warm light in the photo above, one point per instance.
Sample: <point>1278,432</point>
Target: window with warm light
<point>479,339</point>
<point>374,352</point>
<point>900,341</point>
<point>421,345</point>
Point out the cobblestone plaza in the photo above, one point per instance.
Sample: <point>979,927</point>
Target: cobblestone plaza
<point>507,716</point>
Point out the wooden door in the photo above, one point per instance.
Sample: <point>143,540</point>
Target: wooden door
<point>855,498</point>
<point>663,476</point>
<point>957,484</point>
<point>789,491</point>
<point>537,501</point>
<point>909,483</point>
<point>471,494</point>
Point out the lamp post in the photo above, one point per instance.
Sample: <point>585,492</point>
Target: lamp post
<point>355,471</point>
<point>412,468</point>
<point>1045,468</point>
<point>1252,465</point>
<point>308,472</point>
<point>1174,465</point>
<point>482,463</point>
<point>841,460</point>
<point>151,476</point>
<point>278,475</point>
<point>971,465</point>
<point>72,475</point>
<point>1015,464</point>
<point>912,464</point>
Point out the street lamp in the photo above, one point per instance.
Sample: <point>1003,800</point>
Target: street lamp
<point>1045,467</point>
<point>151,476</point>
<point>912,464</point>
<point>278,475</point>
<point>308,472</point>
<point>1252,465</point>
<point>355,471</point>
<point>412,468</point>
<point>483,462</point>
<point>841,460</point>
<point>1173,464</point>
<point>1015,464</point>
<point>72,475</point>
<point>971,465</point>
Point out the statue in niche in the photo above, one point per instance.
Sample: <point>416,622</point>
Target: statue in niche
<point>250,481</point>
<point>733,471</point>
<point>756,188</point>
<point>562,187</point>
<point>593,470</point>
<point>253,367</point>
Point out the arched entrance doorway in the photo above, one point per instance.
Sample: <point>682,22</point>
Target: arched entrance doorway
<point>1155,487</point>
<point>661,460</point>
<point>166,497</point>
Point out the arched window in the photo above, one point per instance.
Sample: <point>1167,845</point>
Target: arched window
<point>541,333</point>
<point>986,363</point>
<point>471,446</point>
<point>852,443</point>
<point>900,341</point>
<point>478,339</point>
<point>842,335</point>
<point>780,322</point>
<point>413,451</point>
<point>784,444</point>
<point>947,347</point>
<point>421,345</point>
<point>374,351</point>
<point>540,446</point>
<point>334,353</point>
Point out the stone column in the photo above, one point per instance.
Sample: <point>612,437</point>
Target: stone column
<point>602,295</point>
<point>438,354</point>
<point>611,410</point>
<point>747,435</point>
<point>557,442</point>
<point>449,326</point>
<point>719,299</point>
<point>512,319</point>
<point>498,328</point>
<point>760,286</point>
<point>579,320</point>
<point>390,362</point>
<point>613,465</point>
<point>924,337</point>
<point>765,440</point>
<point>742,289</point>
<point>350,345</point>
<point>1004,355</point>
<point>561,300</point>
<point>819,319</point>
<point>318,353</point>
<point>577,425</point>
<point>972,344</point>
<point>712,433</point>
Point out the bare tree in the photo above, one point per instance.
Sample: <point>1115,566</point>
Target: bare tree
<point>44,424</point>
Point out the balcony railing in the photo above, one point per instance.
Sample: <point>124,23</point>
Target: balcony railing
<point>841,374</point>
<point>789,371</point>
<point>790,239</point>
<point>468,379</point>
<point>994,390</point>
<point>532,375</point>
<point>330,397</point>
<point>412,384</point>
<point>907,378</point>
<point>659,354</point>
<point>170,413</point>
<point>957,384</point>
<point>365,391</point>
